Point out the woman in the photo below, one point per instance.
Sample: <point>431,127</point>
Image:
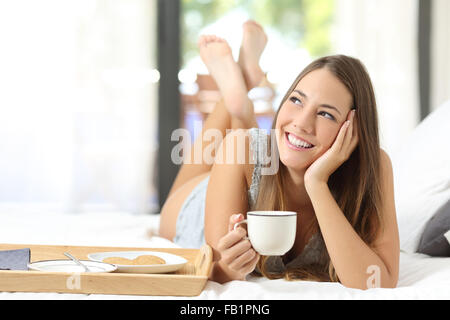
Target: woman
<point>331,171</point>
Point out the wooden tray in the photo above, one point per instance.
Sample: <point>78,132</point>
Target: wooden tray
<point>188,281</point>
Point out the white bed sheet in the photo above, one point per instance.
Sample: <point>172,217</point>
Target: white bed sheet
<point>421,277</point>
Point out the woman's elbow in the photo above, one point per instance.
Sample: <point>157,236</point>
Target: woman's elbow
<point>371,282</point>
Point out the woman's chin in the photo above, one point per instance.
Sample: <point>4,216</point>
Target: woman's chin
<point>294,164</point>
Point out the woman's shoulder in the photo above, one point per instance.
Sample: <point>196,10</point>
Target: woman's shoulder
<point>385,163</point>
<point>384,155</point>
<point>249,147</point>
<point>385,170</point>
<point>236,149</point>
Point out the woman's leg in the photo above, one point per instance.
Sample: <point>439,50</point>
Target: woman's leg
<point>233,112</point>
<point>254,40</point>
<point>218,119</point>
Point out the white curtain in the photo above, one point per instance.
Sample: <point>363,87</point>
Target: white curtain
<point>77,105</point>
<point>440,54</point>
<point>383,35</point>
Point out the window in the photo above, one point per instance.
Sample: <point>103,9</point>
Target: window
<point>77,104</point>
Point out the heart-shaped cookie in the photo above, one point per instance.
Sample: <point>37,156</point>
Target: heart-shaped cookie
<point>138,261</point>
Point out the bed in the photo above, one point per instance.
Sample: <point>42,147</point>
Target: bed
<point>421,276</point>
<point>422,184</point>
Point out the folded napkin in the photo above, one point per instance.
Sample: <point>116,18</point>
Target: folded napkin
<point>14,259</point>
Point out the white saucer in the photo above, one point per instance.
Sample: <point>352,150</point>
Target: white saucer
<point>173,262</point>
<point>70,266</point>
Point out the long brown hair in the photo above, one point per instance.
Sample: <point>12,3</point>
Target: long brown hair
<point>355,185</point>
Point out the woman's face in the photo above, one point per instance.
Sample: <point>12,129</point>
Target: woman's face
<point>309,120</point>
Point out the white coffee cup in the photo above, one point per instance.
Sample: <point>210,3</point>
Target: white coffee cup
<point>271,233</point>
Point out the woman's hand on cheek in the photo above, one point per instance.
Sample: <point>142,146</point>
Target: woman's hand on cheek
<point>343,146</point>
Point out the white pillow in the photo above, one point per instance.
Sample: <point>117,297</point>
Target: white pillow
<point>422,175</point>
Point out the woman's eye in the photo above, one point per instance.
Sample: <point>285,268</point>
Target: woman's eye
<point>295,100</point>
<point>326,115</point>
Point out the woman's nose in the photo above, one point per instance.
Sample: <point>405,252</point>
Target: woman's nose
<point>305,120</point>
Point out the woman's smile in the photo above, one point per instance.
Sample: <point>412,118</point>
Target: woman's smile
<point>296,143</point>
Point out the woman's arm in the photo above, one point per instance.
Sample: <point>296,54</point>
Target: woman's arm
<point>227,195</point>
<point>358,265</point>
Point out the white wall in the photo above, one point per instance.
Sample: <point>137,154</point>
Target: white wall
<point>440,78</point>
<point>383,35</point>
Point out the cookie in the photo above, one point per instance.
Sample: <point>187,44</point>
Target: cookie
<point>139,261</point>
<point>149,259</point>
<point>119,260</point>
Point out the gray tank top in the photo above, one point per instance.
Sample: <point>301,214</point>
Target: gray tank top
<point>258,148</point>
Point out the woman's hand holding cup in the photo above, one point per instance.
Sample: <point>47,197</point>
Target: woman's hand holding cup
<point>236,252</point>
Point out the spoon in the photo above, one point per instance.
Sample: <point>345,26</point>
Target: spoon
<point>86,269</point>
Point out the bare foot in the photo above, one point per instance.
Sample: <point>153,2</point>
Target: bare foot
<point>216,54</point>
<point>254,41</point>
